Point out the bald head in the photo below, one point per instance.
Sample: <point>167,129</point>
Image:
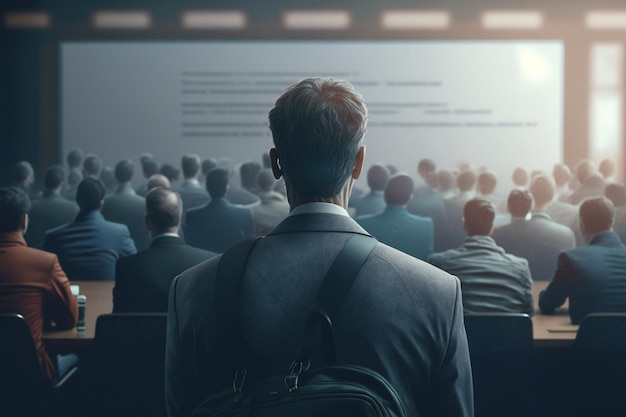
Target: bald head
<point>163,211</point>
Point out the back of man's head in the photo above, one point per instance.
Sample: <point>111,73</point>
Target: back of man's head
<point>265,179</point>
<point>74,177</point>
<point>54,177</point>
<point>248,172</point>
<point>561,174</point>
<point>616,193</point>
<point>487,182</point>
<point>425,167</point>
<point>124,171</point>
<point>163,208</point>
<point>317,126</point>
<point>596,215</point>
<point>190,164</point>
<point>217,182</point>
<point>22,174</point>
<point>542,190</point>
<point>207,165</point>
<point>520,177</point>
<point>607,168</point>
<point>74,158</point>
<point>170,171</point>
<point>90,194</point>
<point>399,190</point>
<point>466,181</point>
<point>377,177</point>
<point>445,180</point>
<point>149,167</point>
<point>91,166</point>
<point>157,180</point>
<point>107,176</point>
<point>519,203</point>
<point>584,169</point>
<point>14,204</point>
<point>478,215</point>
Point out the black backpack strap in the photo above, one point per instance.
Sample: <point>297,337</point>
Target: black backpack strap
<point>230,341</point>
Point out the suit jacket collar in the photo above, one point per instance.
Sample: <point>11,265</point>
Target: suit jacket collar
<point>606,239</point>
<point>125,189</point>
<point>162,241</point>
<point>318,222</point>
<point>12,239</point>
<point>541,214</point>
<point>94,215</point>
<point>482,242</point>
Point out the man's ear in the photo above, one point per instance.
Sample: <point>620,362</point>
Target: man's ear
<point>276,169</point>
<point>359,160</point>
<point>24,222</point>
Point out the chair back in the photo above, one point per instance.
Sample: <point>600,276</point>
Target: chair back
<point>128,364</point>
<point>501,351</point>
<point>24,389</point>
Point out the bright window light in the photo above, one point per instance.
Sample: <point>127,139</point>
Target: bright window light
<point>525,20</point>
<point>213,20</point>
<point>331,20</point>
<point>27,20</point>
<point>412,19</point>
<point>606,20</point>
<point>122,20</point>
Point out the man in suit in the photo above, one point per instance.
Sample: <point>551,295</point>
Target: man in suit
<point>273,207</point>
<point>374,201</point>
<point>401,317</point>
<point>219,224</point>
<point>593,276</point>
<point>89,246</point>
<point>32,282</point>
<point>190,190</point>
<point>126,207</point>
<point>142,281</point>
<point>492,280</point>
<point>398,228</point>
<point>453,234</point>
<point>246,193</point>
<point>540,239</point>
<point>51,210</point>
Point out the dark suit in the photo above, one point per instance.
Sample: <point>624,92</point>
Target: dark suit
<point>126,207</point>
<point>142,281</point>
<point>89,247</point>
<point>218,225</point>
<point>492,280</point>
<point>398,228</point>
<point>193,195</point>
<point>539,240</point>
<point>401,317</point>
<point>593,277</point>
<point>47,213</point>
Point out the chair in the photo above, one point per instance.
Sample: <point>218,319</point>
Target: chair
<point>598,362</point>
<point>501,351</point>
<point>126,372</point>
<point>24,389</point>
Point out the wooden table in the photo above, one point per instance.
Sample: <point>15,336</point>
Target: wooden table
<point>99,301</point>
<point>553,331</point>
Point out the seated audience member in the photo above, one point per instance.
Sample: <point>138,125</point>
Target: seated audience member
<point>142,281</point>
<point>273,208</point>
<point>32,282</point>
<point>427,202</point>
<point>593,276</point>
<point>520,178</point>
<point>246,193</point>
<point>540,239</point>
<point>126,207</point>
<point>401,317</point>
<point>89,246</point>
<point>23,176</point>
<point>74,158</point>
<point>149,167</point>
<point>190,190</point>
<point>207,165</point>
<point>590,182</point>
<point>453,234</point>
<point>74,177</point>
<point>107,176</point>
<point>446,184</point>
<point>395,226</point>
<point>91,166</point>
<point>518,205</point>
<point>171,173</point>
<point>562,176</point>
<point>374,201</point>
<point>617,194</point>
<point>491,280</point>
<point>51,210</point>
<point>218,224</point>
<point>157,180</point>
<point>486,186</point>
<point>607,169</point>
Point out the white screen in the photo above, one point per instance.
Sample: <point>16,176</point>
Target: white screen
<point>497,104</point>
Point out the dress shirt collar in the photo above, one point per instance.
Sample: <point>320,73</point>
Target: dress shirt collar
<point>541,213</point>
<point>327,208</point>
<point>165,235</point>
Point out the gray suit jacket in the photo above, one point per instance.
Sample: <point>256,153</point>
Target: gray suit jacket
<point>51,211</point>
<point>402,318</point>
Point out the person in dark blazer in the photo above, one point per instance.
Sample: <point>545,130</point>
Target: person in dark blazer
<point>402,317</point>
<point>219,224</point>
<point>190,190</point>
<point>126,207</point>
<point>593,277</point>
<point>398,228</point>
<point>540,239</point>
<point>374,201</point>
<point>51,210</point>
<point>142,281</point>
<point>89,247</point>
<point>492,280</point>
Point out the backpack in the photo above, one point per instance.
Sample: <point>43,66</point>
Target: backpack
<point>331,390</point>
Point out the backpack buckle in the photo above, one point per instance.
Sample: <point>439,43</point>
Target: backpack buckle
<point>238,381</point>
